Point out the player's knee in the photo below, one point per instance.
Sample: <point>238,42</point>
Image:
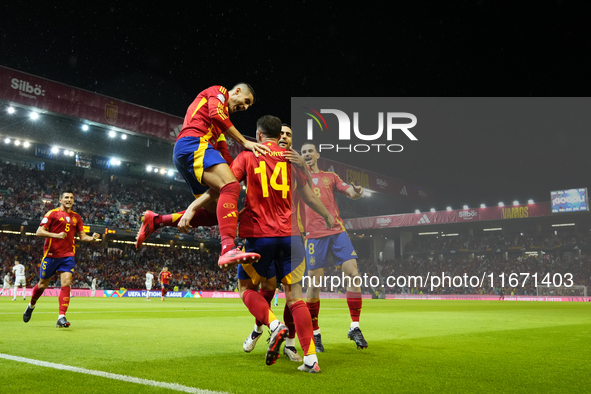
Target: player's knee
<point>232,187</point>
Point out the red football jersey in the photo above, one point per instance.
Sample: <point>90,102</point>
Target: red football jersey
<point>208,115</point>
<point>165,276</point>
<point>324,186</point>
<point>57,221</point>
<point>268,192</point>
<point>298,213</point>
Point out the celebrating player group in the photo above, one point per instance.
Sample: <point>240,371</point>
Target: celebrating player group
<point>288,200</point>
<point>290,223</point>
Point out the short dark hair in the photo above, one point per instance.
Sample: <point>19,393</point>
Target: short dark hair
<point>270,126</point>
<point>254,95</point>
<point>286,125</point>
<point>309,143</point>
<point>66,191</point>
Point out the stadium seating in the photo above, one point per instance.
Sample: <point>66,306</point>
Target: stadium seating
<point>120,265</point>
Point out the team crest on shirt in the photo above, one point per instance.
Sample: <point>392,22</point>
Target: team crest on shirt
<point>312,261</point>
<point>68,219</point>
<point>326,181</point>
<point>315,180</point>
<point>222,98</point>
<point>74,221</point>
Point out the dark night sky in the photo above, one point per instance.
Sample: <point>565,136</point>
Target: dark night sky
<point>162,57</point>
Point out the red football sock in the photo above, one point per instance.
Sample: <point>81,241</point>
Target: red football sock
<point>64,299</point>
<point>258,307</point>
<point>163,292</point>
<point>37,292</point>
<point>314,308</point>
<point>354,300</point>
<point>201,218</point>
<point>288,321</point>
<point>268,296</point>
<point>227,214</point>
<point>303,325</point>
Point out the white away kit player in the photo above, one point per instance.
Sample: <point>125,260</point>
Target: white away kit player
<point>19,279</point>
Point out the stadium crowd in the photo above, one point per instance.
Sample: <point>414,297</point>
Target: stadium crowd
<point>544,239</point>
<point>579,267</point>
<point>28,193</point>
<point>120,265</point>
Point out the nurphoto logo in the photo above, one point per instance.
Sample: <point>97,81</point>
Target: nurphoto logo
<point>391,128</point>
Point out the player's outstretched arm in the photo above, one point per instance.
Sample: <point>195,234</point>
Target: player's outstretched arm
<point>314,202</point>
<point>248,145</point>
<point>87,238</point>
<point>355,192</point>
<point>43,233</point>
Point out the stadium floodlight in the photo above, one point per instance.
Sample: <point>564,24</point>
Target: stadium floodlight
<point>465,207</point>
<point>7,140</point>
<point>515,202</point>
<point>149,168</point>
<point>112,134</point>
<point>432,209</point>
<point>85,127</point>
<point>417,211</point>
<point>563,224</point>
<point>530,201</point>
<point>26,144</point>
<point>170,173</point>
<point>71,153</point>
<point>66,152</point>
<point>501,204</point>
<point>10,110</point>
<point>430,233</point>
<point>492,229</point>
<point>55,150</point>
<point>34,115</point>
<point>17,142</point>
<point>115,162</point>
<point>449,208</point>
<point>367,193</point>
<point>163,171</point>
<point>156,170</point>
<point>123,136</point>
<point>482,205</point>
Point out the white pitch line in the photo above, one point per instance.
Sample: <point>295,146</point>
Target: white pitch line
<point>108,375</point>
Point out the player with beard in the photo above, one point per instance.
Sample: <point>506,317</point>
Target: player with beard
<point>266,225</point>
<point>322,241</point>
<point>199,161</point>
<point>58,227</point>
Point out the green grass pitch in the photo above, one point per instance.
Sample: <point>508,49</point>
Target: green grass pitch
<point>414,347</point>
